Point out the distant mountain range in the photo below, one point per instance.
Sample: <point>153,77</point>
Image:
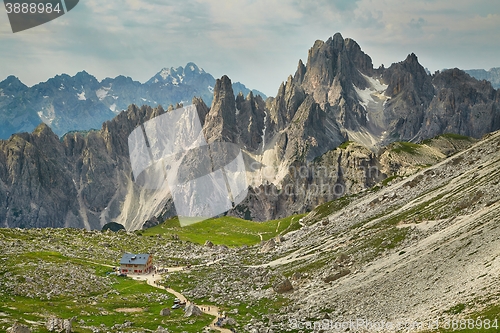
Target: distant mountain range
<point>68,103</point>
<point>492,75</point>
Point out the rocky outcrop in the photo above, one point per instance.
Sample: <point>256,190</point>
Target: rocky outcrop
<point>162,330</point>
<point>268,246</point>
<point>81,180</point>
<point>251,121</point>
<point>59,325</point>
<point>192,310</point>
<point>18,328</point>
<point>462,105</point>
<point>220,122</point>
<point>282,286</point>
<point>165,312</point>
<point>410,91</point>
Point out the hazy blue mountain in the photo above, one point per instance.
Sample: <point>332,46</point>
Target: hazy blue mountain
<point>493,75</point>
<point>68,103</point>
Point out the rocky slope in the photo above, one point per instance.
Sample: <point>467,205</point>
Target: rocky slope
<point>68,103</point>
<point>400,246</point>
<point>418,249</point>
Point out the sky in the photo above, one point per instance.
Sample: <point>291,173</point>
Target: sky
<point>256,42</point>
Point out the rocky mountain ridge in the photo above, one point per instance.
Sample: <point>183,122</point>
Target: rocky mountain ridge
<point>336,97</point>
<point>68,103</point>
<point>492,75</point>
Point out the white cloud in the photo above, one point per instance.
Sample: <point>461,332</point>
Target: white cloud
<point>256,42</point>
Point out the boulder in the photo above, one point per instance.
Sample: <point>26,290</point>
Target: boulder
<point>282,286</point>
<point>59,325</point>
<point>268,246</point>
<point>192,310</point>
<point>165,312</point>
<point>209,244</point>
<point>279,239</point>
<point>336,276</point>
<point>18,328</point>
<point>161,330</point>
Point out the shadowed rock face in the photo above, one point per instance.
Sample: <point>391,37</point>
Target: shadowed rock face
<point>80,180</point>
<point>85,179</point>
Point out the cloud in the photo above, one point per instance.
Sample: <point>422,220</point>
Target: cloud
<point>257,42</point>
<point>417,24</point>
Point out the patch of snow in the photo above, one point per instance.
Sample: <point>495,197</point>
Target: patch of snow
<point>101,93</point>
<point>115,97</point>
<point>211,89</point>
<point>47,116</point>
<point>264,132</point>
<point>81,96</point>
<point>165,72</point>
<point>62,87</point>
<point>191,67</point>
<point>112,107</point>
<point>237,111</point>
<point>45,96</point>
<point>375,89</point>
<point>143,99</point>
<point>175,82</point>
<point>365,96</point>
<point>156,80</point>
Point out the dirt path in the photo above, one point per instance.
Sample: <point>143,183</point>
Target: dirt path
<point>208,309</point>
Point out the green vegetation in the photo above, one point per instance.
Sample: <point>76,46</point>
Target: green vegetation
<point>389,179</point>
<point>124,300</point>
<point>257,308</point>
<point>227,230</point>
<point>345,145</point>
<point>330,207</point>
<point>483,321</point>
<point>455,136</point>
<point>456,309</point>
<point>369,248</point>
<point>449,136</point>
<point>405,147</point>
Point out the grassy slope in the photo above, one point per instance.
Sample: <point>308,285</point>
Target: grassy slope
<point>97,308</point>
<point>230,231</point>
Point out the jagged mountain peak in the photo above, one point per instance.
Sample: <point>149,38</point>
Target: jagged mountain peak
<point>44,130</point>
<point>301,71</point>
<point>11,79</point>
<point>11,85</point>
<point>220,123</point>
<point>337,41</point>
<point>361,60</point>
<point>177,75</point>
